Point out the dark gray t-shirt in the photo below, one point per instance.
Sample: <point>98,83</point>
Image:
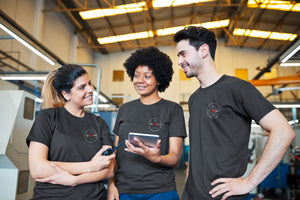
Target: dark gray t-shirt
<point>135,174</point>
<point>219,130</point>
<point>69,139</point>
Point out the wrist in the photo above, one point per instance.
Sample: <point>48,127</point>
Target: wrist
<point>90,167</point>
<point>158,159</point>
<point>75,180</point>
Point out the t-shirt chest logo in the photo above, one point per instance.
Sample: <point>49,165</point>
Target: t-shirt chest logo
<point>154,124</point>
<point>213,110</point>
<point>90,136</point>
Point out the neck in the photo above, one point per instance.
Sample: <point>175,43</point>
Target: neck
<point>148,100</point>
<point>209,75</point>
<point>76,111</point>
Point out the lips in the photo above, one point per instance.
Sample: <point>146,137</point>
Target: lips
<point>141,87</point>
<point>185,67</point>
<point>89,97</point>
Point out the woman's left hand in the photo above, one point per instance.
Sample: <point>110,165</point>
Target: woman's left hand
<point>152,154</point>
<point>61,177</point>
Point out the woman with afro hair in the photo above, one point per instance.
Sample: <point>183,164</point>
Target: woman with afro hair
<point>144,172</point>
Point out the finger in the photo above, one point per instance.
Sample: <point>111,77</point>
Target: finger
<point>220,190</point>
<point>158,143</point>
<point>220,180</point>
<point>140,143</point>
<point>130,147</point>
<point>225,196</point>
<point>103,149</point>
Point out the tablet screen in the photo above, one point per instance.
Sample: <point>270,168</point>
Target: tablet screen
<point>147,139</point>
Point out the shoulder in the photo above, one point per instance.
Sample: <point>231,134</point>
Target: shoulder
<point>129,104</point>
<point>50,112</point>
<point>235,84</point>
<point>169,103</point>
<point>93,116</point>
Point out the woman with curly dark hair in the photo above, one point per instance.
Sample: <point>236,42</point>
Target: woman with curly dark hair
<point>144,172</point>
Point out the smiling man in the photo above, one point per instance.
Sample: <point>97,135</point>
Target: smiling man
<point>221,111</point>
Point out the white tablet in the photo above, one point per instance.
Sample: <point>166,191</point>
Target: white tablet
<point>147,139</point>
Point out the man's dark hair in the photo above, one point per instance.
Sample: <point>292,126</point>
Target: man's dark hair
<point>198,36</point>
<point>156,60</point>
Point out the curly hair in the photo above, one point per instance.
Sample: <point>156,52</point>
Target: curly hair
<point>156,60</point>
<point>198,36</point>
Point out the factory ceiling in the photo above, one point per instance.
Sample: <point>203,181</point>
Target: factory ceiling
<point>241,15</point>
<point>235,21</point>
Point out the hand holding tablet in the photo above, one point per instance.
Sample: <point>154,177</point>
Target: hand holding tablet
<point>148,140</point>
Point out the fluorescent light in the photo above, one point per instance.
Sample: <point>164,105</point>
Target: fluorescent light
<point>274,5</point>
<point>208,25</point>
<point>27,44</point>
<point>116,10</point>
<point>125,37</point>
<point>290,64</point>
<point>287,106</point>
<point>159,32</point>
<point>25,78</point>
<point>169,3</point>
<point>101,97</point>
<point>39,100</point>
<point>291,54</point>
<point>264,34</point>
<point>135,7</point>
<point>101,106</point>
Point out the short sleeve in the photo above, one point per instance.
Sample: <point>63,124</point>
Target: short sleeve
<point>254,103</point>
<point>177,123</point>
<point>118,121</point>
<point>41,130</point>
<point>107,140</point>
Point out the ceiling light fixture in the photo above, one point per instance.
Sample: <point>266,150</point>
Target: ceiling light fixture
<point>159,32</point>
<point>23,78</point>
<point>125,37</point>
<point>290,64</point>
<point>264,34</point>
<point>116,10</point>
<point>33,49</point>
<point>135,7</point>
<point>274,5</point>
<point>290,52</point>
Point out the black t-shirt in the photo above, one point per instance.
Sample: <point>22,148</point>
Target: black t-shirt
<point>69,139</point>
<point>219,130</point>
<point>135,174</point>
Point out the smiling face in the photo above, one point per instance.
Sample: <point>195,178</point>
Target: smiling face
<point>81,93</point>
<point>189,58</point>
<point>144,81</point>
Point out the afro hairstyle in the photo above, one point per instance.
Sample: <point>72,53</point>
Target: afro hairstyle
<point>156,60</point>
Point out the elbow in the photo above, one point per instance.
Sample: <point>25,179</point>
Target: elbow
<point>35,173</point>
<point>110,172</point>
<point>292,135</point>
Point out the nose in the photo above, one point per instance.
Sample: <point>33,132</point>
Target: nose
<point>139,79</point>
<point>90,88</point>
<point>180,60</point>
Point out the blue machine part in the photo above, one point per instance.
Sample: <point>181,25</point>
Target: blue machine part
<point>277,178</point>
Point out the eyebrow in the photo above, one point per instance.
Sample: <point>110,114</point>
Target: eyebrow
<point>180,52</point>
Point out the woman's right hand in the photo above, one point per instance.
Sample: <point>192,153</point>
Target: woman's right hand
<point>112,192</point>
<point>99,161</point>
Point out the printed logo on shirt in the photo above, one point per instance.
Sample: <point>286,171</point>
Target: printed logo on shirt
<point>154,124</point>
<point>213,110</point>
<point>90,136</point>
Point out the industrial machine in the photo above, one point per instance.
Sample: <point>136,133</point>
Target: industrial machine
<point>17,113</point>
